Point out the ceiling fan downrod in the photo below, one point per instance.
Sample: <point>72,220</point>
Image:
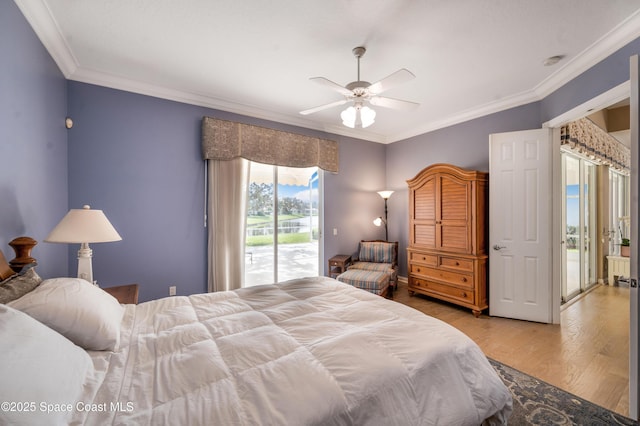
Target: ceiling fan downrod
<point>358,52</point>
<point>358,87</point>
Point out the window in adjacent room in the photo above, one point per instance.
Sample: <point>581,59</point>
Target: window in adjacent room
<point>619,208</point>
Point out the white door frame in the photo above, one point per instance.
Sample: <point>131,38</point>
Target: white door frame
<point>610,97</point>
<point>634,373</point>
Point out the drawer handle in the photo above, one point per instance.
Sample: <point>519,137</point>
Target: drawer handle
<point>417,269</point>
<point>457,263</point>
<point>464,294</point>
<point>424,258</point>
<point>464,279</point>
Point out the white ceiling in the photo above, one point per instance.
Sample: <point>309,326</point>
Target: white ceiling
<point>255,57</point>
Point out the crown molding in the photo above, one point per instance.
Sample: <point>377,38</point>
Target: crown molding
<point>627,31</point>
<point>46,28</point>
<point>471,114</point>
<point>624,33</point>
<point>99,78</point>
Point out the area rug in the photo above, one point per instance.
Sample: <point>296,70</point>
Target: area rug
<point>538,403</point>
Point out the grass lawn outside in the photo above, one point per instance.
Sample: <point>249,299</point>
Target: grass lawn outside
<point>263,240</point>
<point>259,220</point>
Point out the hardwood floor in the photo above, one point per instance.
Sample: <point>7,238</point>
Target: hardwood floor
<point>587,354</point>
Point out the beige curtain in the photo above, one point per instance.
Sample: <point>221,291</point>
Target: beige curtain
<point>224,140</point>
<point>227,146</point>
<point>226,220</point>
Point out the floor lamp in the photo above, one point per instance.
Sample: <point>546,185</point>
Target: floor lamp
<point>380,220</point>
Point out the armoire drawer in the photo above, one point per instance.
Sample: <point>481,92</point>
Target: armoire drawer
<point>423,258</point>
<point>427,286</point>
<point>455,278</point>
<point>456,263</point>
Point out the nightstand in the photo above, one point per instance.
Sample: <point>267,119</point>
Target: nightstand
<point>126,294</point>
<point>338,264</point>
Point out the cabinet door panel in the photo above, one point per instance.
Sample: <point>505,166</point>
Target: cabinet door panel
<point>454,238</point>
<point>425,235</point>
<point>454,199</point>
<point>454,214</point>
<point>425,201</point>
<point>424,211</point>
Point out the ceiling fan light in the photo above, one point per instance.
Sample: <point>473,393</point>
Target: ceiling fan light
<point>349,117</point>
<point>367,115</point>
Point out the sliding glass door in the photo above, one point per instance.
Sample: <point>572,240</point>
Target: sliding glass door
<point>283,224</point>
<point>590,235</point>
<point>579,223</point>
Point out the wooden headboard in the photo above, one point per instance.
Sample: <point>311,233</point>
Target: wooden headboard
<point>5,269</point>
<point>22,247</point>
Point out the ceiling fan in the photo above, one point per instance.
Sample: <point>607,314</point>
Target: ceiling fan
<point>361,92</point>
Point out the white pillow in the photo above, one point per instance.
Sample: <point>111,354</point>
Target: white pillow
<point>80,311</point>
<point>38,366</point>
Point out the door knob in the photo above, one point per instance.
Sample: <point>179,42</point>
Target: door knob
<point>498,248</point>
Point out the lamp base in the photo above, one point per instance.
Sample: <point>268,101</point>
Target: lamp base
<point>85,270</point>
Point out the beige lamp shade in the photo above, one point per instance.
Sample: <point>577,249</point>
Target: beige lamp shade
<point>84,226</point>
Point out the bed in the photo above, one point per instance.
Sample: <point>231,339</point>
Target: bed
<point>310,351</point>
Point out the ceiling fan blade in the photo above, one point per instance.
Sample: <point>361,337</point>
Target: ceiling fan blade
<point>330,84</point>
<point>321,107</point>
<point>393,103</point>
<point>401,76</point>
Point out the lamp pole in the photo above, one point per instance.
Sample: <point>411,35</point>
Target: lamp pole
<point>386,229</point>
<point>385,196</point>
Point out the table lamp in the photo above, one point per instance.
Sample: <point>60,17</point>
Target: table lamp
<point>84,226</point>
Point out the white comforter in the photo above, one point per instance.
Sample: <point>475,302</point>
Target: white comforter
<point>312,351</point>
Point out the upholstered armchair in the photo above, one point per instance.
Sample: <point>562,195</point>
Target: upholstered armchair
<point>379,256</point>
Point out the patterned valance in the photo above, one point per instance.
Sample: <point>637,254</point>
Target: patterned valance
<point>225,140</point>
<point>584,137</point>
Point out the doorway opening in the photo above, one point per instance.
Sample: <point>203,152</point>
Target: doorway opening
<point>616,188</point>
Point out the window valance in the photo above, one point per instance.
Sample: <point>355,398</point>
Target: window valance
<point>584,137</point>
<point>225,140</point>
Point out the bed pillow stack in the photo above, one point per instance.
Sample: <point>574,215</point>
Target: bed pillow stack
<point>75,308</point>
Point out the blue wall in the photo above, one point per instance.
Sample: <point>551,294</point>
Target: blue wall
<point>466,145</point>
<point>33,141</point>
<point>138,159</point>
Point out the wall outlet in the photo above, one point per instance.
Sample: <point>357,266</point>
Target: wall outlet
<point>335,231</point>
<point>172,290</point>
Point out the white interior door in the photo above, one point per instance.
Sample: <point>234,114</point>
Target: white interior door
<point>521,225</point>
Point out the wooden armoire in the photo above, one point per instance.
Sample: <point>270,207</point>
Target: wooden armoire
<point>448,223</point>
